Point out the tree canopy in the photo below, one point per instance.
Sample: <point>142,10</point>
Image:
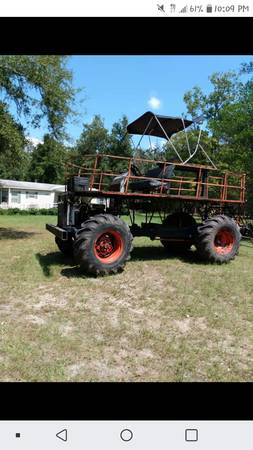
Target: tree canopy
<point>228,110</point>
<point>13,159</point>
<point>47,162</point>
<point>94,138</point>
<point>40,87</point>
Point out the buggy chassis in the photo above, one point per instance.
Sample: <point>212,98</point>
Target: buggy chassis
<point>195,205</point>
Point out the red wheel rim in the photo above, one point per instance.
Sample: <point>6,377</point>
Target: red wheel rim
<point>108,247</point>
<point>224,241</point>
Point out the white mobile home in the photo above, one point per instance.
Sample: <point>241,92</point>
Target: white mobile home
<point>24,194</point>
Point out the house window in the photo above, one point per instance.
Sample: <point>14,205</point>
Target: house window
<point>31,194</point>
<point>16,196</point>
<point>3,195</point>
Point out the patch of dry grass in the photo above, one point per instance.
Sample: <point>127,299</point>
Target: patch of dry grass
<point>162,319</point>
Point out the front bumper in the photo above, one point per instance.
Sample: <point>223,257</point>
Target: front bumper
<point>58,232</point>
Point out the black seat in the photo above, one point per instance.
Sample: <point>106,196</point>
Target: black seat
<point>145,185</point>
<point>161,172</point>
<point>156,172</point>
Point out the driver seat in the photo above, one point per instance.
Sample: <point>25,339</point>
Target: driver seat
<point>118,182</point>
<point>152,184</point>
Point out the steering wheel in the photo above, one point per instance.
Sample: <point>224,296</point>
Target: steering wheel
<point>135,170</point>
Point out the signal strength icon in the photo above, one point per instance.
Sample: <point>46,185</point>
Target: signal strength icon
<point>184,10</point>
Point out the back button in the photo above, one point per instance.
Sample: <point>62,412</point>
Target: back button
<point>63,435</point>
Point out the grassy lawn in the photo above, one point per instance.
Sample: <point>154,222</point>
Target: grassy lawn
<point>162,319</point>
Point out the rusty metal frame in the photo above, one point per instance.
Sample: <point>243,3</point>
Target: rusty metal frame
<point>180,184</point>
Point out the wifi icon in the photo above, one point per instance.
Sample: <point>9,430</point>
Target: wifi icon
<point>184,10</point>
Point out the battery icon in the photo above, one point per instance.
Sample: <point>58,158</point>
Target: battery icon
<point>209,8</point>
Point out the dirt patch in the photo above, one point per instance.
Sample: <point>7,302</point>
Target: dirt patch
<point>146,353</point>
<point>97,369</point>
<point>66,329</point>
<point>35,319</point>
<point>50,300</point>
<point>190,324</point>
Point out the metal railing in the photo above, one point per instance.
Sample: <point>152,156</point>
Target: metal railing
<point>200,182</point>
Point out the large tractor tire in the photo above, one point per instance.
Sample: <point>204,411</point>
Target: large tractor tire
<point>178,220</point>
<point>66,247</point>
<point>218,239</point>
<point>103,246</point>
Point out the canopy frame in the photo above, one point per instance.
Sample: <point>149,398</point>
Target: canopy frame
<point>168,138</point>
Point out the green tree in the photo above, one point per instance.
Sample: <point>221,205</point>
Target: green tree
<point>40,87</point>
<point>94,138</point>
<point>179,140</point>
<point>14,160</point>
<point>47,162</point>
<point>120,141</point>
<point>228,110</point>
<point>119,145</point>
<point>37,88</point>
<point>226,89</point>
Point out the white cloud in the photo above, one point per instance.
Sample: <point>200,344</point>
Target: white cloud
<point>34,141</point>
<point>154,102</point>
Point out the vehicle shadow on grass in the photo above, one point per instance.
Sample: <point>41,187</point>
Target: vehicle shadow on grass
<point>11,233</point>
<point>53,259</point>
<point>59,259</point>
<point>75,272</point>
<point>146,253</point>
<point>159,253</point>
<point>247,243</point>
<point>138,254</point>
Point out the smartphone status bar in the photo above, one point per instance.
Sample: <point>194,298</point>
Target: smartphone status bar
<point>131,8</point>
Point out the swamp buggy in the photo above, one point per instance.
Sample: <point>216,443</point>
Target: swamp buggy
<point>197,204</point>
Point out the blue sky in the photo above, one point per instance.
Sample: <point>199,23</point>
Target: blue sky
<point>131,85</point>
